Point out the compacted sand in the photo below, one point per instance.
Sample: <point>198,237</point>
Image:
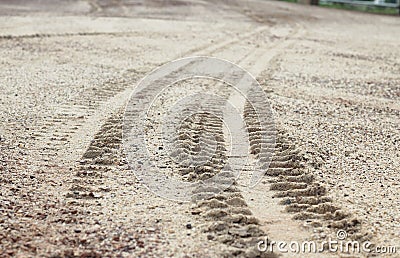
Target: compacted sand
<point>67,71</point>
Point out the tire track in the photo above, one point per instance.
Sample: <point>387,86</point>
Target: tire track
<point>227,218</point>
<point>294,183</point>
<point>102,156</point>
<point>290,176</point>
<point>73,119</point>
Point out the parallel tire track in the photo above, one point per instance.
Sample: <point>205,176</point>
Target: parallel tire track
<point>229,219</point>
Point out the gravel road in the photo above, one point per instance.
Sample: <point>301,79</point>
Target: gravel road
<point>68,68</point>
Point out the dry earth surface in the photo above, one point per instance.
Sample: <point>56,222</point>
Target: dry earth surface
<point>66,73</point>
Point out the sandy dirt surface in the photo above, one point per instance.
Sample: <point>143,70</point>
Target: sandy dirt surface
<point>67,71</point>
